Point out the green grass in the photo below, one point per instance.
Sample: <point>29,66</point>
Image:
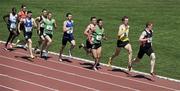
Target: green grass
<point>164,13</point>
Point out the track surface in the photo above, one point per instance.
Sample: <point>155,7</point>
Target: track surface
<point>19,73</point>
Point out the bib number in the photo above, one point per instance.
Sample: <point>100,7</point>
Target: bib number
<point>70,30</point>
<point>98,37</point>
<point>48,27</point>
<point>28,29</point>
<point>13,25</point>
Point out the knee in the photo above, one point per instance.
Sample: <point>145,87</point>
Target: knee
<point>29,41</point>
<point>130,52</point>
<point>153,57</point>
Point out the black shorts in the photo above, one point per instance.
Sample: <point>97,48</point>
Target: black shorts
<point>27,35</point>
<point>96,46</point>
<point>88,44</point>
<point>50,35</point>
<point>67,38</point>
<point>143,50</point>
<point>122,43</point>
<point>41,31</point>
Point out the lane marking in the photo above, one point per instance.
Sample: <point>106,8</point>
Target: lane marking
<point>8,88</point>
<point>49,77</point>
<point>106,82</point>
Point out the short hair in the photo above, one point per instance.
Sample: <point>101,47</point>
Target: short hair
<point>49,13</point>
<point>22,6</point>
<point>93,17</point>
<point>29,12</point>
<point>99,20</point>
<point>67,14</point>
<point>13,9</point>
<point>124,17</point>
<point>148,23</point>
<point>44,10</point>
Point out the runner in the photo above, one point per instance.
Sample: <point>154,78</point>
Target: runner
<point>88,34</point>
<point>28,23</point>
<point>11,21</point>
<point>49,25</point>
<point>97,36</point>
<point>146,47</point>
<point>68,35</point>
<point>123,42</point>
<point>22,14</point>
<point>38,20</point>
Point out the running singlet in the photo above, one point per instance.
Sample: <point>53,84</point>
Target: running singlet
<point>42,18</point>
<point>147,35</point>
<point>97,35</point>
<point>28,24</point>
<point>48,26</point>
<point>12,21</point>
<point>69,26</point>
<point>125,31</point>
<point>22,15</point>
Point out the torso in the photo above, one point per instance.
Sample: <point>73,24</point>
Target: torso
<point>49,26</point>
<point>125,29</point>
<point>12,20</point>
<point>69,25</point>
<point>97,35</point>
<point>28,24</point>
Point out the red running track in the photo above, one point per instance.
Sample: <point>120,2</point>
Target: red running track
<point>18,73</point>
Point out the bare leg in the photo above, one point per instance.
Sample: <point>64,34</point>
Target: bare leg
<point>129,50</point>
<point>116,53</point>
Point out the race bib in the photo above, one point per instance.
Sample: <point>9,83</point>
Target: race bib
<point>70,30</point>
<point>48,27</point>
<point>28,29</point>
<point>13,25</point>
<point>98,37</point>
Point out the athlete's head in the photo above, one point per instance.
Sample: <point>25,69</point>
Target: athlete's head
<point>44,12</point>
<point>125,20</point>
<point>49,15</point>
<point>23,7</point>
<point>13,10</point>
<point>149,25</point>
<point>100,22</point>
<point>29,14</point>
<point>69,16</point>
<point>93,20</point>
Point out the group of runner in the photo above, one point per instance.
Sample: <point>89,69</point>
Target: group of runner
<point>45,25</point>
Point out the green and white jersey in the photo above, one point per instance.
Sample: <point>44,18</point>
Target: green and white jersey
<point>97,35</point>
<point>49,26</point>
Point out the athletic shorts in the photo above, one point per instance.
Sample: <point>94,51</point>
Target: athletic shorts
<point>88,44</point>
<point>46,34</point>
<point>27,35</point>
<point>96,45</point>
<point>143,50</point>
<point>122,43</point>
<point>67,38</point>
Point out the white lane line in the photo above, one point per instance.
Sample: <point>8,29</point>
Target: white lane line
<point>160,86</point>
<point>85,60</point>
<point>106,82</point>
<point>119,76</point>
<point>49,77</point>
<point>8,88</point>
<point>28,82</point>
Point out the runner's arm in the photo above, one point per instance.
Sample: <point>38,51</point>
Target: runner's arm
<point>64,27</point>
<point>142,37</point>
<point>5,18</point>
<point>55,24</point>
